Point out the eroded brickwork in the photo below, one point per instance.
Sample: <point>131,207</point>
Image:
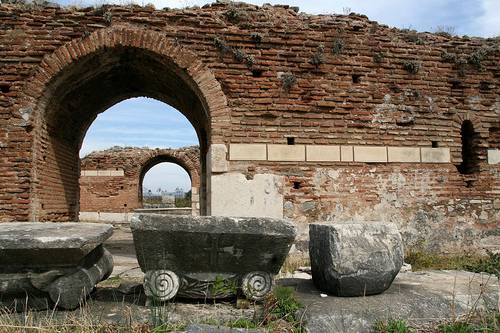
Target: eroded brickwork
<point>111,180</point>
<point>246,74</point>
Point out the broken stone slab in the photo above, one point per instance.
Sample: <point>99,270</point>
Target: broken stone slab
<point>354,259</point>
<point>209,256</point>
<point>51,264</point>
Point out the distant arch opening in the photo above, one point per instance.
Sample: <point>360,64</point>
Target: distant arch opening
<point>166,185</point>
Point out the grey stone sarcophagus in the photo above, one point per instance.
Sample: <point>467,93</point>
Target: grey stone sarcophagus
<point>209,256</point>
<point>51,264</point>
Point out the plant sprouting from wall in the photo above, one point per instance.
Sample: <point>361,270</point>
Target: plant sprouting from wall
<point>288,80</point>
<point>378,57</point>
<point>237,53</point>
<point>346,10</point>
<point>243,57</point>
<point>256,37</point>
<point>318,57</point>
<point>477,57</point>
<point>108,17</point>
<point>412,66</point>
<point>85,34</point>
<point>234,14</point>
<point>338,46</point>
<point>449,57</point>
<point>461,64</point>
<point>221,45</point>
<point>413,36</point>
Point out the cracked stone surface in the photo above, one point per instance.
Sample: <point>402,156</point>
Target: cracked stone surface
<point>416,297</point>
<point>48,244</point>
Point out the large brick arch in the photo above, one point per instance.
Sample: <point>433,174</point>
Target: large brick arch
<point>86,76</point>
<point>111,180</point>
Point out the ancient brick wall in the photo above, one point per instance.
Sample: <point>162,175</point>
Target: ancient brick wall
<point>111,180</point>
<point>337,117</point>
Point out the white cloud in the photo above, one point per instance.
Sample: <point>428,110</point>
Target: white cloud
<point>168,176</point>
<point>488,24</point>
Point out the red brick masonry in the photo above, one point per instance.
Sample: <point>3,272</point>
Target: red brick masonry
<point>247,74</point>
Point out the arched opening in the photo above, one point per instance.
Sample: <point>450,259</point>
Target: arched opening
<point>167,186</point>
<point>111,164</point>
<point>112,69</point>
<point>469,139</point>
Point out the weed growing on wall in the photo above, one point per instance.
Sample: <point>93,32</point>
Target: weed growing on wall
<point>412,66</point>
<point>107,17</point>
<point>288,80</point>
<point>318,57</point>
<point>338,46</point>
<point>378,57</point>
<point>238,54</point>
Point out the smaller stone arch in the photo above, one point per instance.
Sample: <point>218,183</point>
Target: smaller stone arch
<point>470,132</point>
<point>111,180</point>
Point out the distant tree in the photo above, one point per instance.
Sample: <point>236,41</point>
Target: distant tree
<point>183,201</point>
<point>446,30</point>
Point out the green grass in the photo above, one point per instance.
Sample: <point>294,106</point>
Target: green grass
<point>456,328</point>
<point>166,328</point>
<point>279,313</point>
<point>392,326</point>
<point>481,322</point>
<point>282,306</point>
<point>113,281</point>
<point>243,323</point>
<point>421,260</point>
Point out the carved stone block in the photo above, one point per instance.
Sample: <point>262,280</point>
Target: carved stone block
<point>209,256</point>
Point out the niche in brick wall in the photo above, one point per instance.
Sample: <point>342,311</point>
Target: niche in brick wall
<point>469,140</point>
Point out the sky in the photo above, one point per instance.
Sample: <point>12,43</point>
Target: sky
<point>148,122</point>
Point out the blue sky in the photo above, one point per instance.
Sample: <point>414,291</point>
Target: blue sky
<point>146,122</point>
